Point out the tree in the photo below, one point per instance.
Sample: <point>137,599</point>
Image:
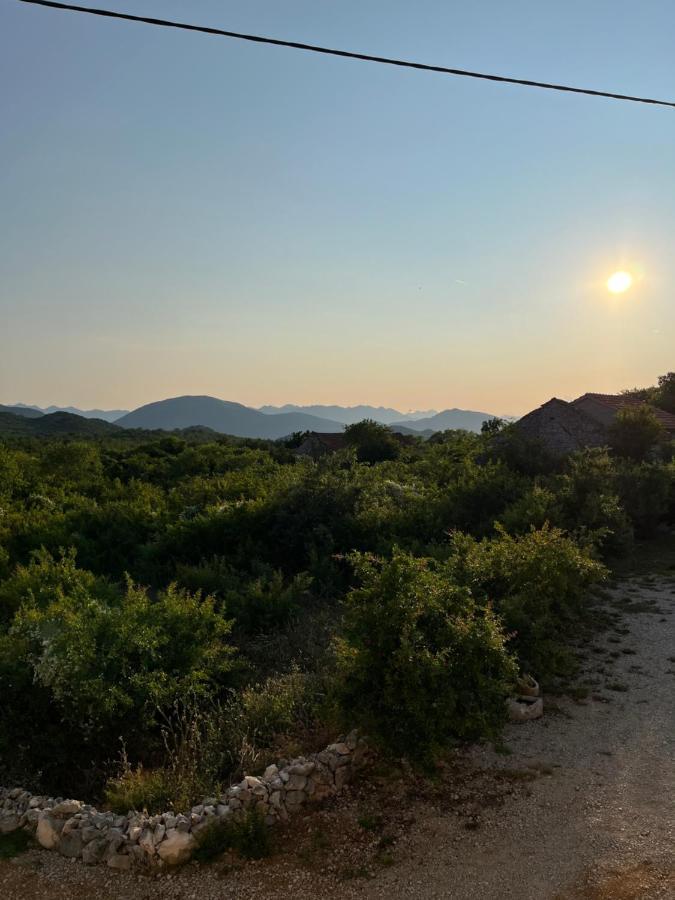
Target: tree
<point>635,432</point>
<point>295,439</point>
<point>374,442</point>
<point>665,393</point>
<point>492,426</point>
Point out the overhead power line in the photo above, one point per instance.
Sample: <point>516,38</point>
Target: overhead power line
<point>384,60</point>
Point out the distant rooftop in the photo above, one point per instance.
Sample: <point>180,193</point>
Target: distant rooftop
<point>618,402</point>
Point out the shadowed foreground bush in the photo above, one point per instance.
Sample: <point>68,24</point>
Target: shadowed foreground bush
<point>249,837</point>
<point>421,661</point>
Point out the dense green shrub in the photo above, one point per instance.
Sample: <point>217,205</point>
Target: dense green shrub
<point>373,442</point>
<point>421,662</point>
<point>153,791</point>
<point>645,491</point>
<point>635,432</point>
<point>105,661</point>
<point>588,505</point>
<point>539,583</point>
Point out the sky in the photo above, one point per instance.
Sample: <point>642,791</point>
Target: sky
<point>186,214</point>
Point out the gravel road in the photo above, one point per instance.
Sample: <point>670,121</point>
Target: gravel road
<point>580,807</point>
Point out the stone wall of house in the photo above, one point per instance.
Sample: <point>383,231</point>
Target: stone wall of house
<point>76,829</point>
<point>561,428</point>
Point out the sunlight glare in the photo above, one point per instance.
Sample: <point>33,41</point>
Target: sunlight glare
<point>619,282</point>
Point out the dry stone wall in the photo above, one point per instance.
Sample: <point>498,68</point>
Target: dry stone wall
<point>78,830</point>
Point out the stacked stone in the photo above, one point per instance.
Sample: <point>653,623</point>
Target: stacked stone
<point>78,830</point>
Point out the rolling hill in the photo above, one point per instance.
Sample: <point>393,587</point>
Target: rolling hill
<point>223,416</point>
<point>27,412</point>
<point>58,423</point>
<point>108,415</point>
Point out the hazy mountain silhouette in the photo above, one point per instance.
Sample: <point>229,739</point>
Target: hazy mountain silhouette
<point>28,412</point>
<point>56,423</point>
<point>415,432</point>
<point>467,419</point>
<point>350,414</point>
<point>223,416</point>
<point>108,415</point>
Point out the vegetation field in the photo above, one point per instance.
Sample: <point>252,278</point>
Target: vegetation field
<point>175,609</point>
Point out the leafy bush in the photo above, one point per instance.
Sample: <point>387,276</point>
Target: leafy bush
<point>103,662</point>
<point>539,583</point>
<point>588,506</point>
<point>139,789</point>
<point>645,490</point>
<point>635,432</point>
<point>374,442</point>
<point>44,578</point>
<point>249,836</point>
<point>421,662</point>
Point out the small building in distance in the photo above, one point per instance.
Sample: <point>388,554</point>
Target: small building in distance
<point>561,428</point>
<point>317,443</point>
<point>603,408</point>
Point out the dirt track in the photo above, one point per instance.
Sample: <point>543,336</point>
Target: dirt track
<point>591,815</point>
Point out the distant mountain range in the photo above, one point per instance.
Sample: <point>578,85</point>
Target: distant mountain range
<point>26,412</point>
<point>226,417</point>
<point>467,419</point>
<point>108,415</point>
<point>348,415</point>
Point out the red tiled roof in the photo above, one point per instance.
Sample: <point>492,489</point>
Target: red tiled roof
<point>623,401</point>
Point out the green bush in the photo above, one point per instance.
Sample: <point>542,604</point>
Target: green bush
<point>645,490</point>
<point>248,836</point>
<point>103,662</point>
<point>636,432</point>
<point>540,585</point>
<point>373,442</point>
<point>421,662</point>
<point>587,503</point>
<point>139,789</point>
<point>83,664</point>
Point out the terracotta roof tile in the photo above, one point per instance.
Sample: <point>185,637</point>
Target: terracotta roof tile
<point>624,401</point>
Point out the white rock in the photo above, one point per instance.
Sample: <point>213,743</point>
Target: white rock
<point>48,833</point>
<point>524,709</point>
<point>67,808</point>
<point>177,848</point>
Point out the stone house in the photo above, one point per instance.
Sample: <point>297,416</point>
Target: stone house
<point>603,408</point>
<point>563,427</point>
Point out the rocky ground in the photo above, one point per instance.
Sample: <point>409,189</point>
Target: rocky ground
<point>579,805</point>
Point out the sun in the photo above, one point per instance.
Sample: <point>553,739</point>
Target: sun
<point>619,282</point>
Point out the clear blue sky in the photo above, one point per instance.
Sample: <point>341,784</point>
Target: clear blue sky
<point>188,214</point>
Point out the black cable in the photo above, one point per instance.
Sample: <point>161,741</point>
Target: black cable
<point>345,53</point>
